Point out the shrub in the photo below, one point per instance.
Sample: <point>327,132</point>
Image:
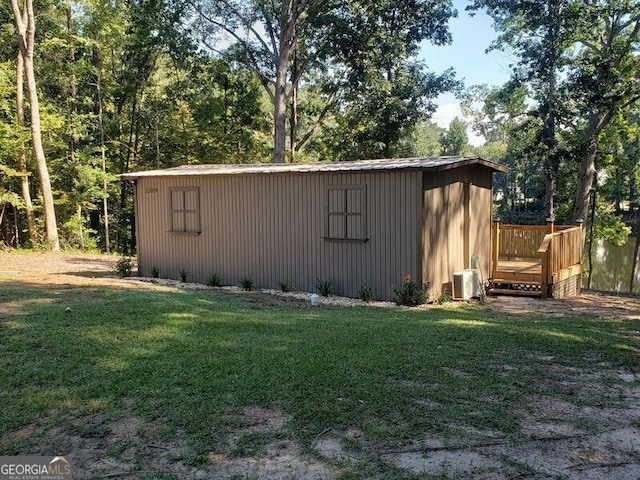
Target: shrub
<point>286,287</point>
<point>324,287</point>
<point>366,293</point>
<point>155,272</point>
<point>246,283</point>
<point>444,297</point>
<point>410,294</point>
<point>183,275</point>
<point>215,280</point>
<point>124,267</point>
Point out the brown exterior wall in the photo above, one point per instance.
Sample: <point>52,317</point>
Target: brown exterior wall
<point>457,223</point>
<point>270,228</point>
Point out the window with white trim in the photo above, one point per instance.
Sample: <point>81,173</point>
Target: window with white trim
<point>185,209</point>
<point>346,210</point>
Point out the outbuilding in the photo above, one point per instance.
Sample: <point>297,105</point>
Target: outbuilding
<point>353,224</point>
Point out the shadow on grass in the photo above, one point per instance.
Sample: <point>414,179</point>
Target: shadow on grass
<point>192,360</point>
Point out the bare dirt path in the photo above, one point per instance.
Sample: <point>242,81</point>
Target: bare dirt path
<point>590,430</point>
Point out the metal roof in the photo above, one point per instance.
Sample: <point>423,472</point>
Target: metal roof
<point>429,163</point>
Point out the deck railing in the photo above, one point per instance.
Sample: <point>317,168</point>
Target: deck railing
<point>559,248</point>
<point>561,256</point>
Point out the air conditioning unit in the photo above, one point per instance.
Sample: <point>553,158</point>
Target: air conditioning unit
<point>466,284</point>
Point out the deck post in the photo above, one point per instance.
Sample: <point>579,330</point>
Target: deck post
<point>544,284</point>
<point>579,223</point>
<point>550,225</point>
<point>495,247</point>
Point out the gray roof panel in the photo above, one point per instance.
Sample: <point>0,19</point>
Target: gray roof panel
<point>422,163</point>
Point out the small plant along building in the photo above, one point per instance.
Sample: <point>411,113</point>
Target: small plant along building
<point>367,223</point>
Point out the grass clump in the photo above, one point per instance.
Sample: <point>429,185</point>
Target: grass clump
<point>184,274</point>
<point>366,293</point>
<point>155,272</point>
<point>215,280</point>
<point>324,287</point>
<point>247,284</point>
<point>286,287</point>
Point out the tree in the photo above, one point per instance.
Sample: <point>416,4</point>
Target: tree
<point>264,37</point>
<point>386,92</point>
<point>579,61</point>
<point>26,28</point>
<point>605,81</point>
<point>426,139</point>
<point>539,34</point>
<point>22,155</point>
<point>455,141</point>
<point>364,44</point>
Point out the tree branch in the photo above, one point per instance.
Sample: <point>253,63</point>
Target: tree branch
<point>265,81</point>
<point>242,19</point>
<point>269,26</point>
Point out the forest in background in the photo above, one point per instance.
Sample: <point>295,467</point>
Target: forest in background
<point>125,85</point>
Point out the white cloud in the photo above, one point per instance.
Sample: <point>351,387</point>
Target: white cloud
<point>447,112</point>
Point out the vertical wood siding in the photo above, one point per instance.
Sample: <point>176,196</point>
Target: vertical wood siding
<point>271,228</point>
<point>457,223</point>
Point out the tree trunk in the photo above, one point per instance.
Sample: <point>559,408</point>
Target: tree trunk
<point>551,162</point>
<point>592,223</point>
<point>22,155</point>
<point>586,174</point>
<point>280,108</point>
<point>26,28</point>
<point>73,90</point>
<point>97,63</point>
<point>587,168</point>
<point>636,258</point>
<point>293,133</point>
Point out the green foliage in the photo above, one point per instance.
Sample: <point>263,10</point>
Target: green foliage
<point>215,280</point>
<point>366,293</point>
<point>410,294</point>
<point>324,287</point>
<point>286,287</point>
<point>455,141</point>
<point>184,274</point>
<point>378,119</point>
<point>443,297</point>
<point>609,226</point>
<point>576,74</point>
<point>426,139</point>
<point>75,234</point>
<point>124,267</point>
<point>246,283</point>
<point>155,272</point>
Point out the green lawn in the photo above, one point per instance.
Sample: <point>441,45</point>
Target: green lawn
<point>192,361</point>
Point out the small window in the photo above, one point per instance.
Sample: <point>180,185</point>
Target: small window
<point>185,209</point>
<point>346,213</point>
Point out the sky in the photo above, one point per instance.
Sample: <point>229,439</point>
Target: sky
<point>466,54</point>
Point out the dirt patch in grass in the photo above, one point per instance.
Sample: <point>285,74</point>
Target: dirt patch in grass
<point>577,423</point>
<point>589,304</point>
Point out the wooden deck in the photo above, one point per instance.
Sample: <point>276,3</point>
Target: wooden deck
<point>520,267</point>
<point>535,260</point>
